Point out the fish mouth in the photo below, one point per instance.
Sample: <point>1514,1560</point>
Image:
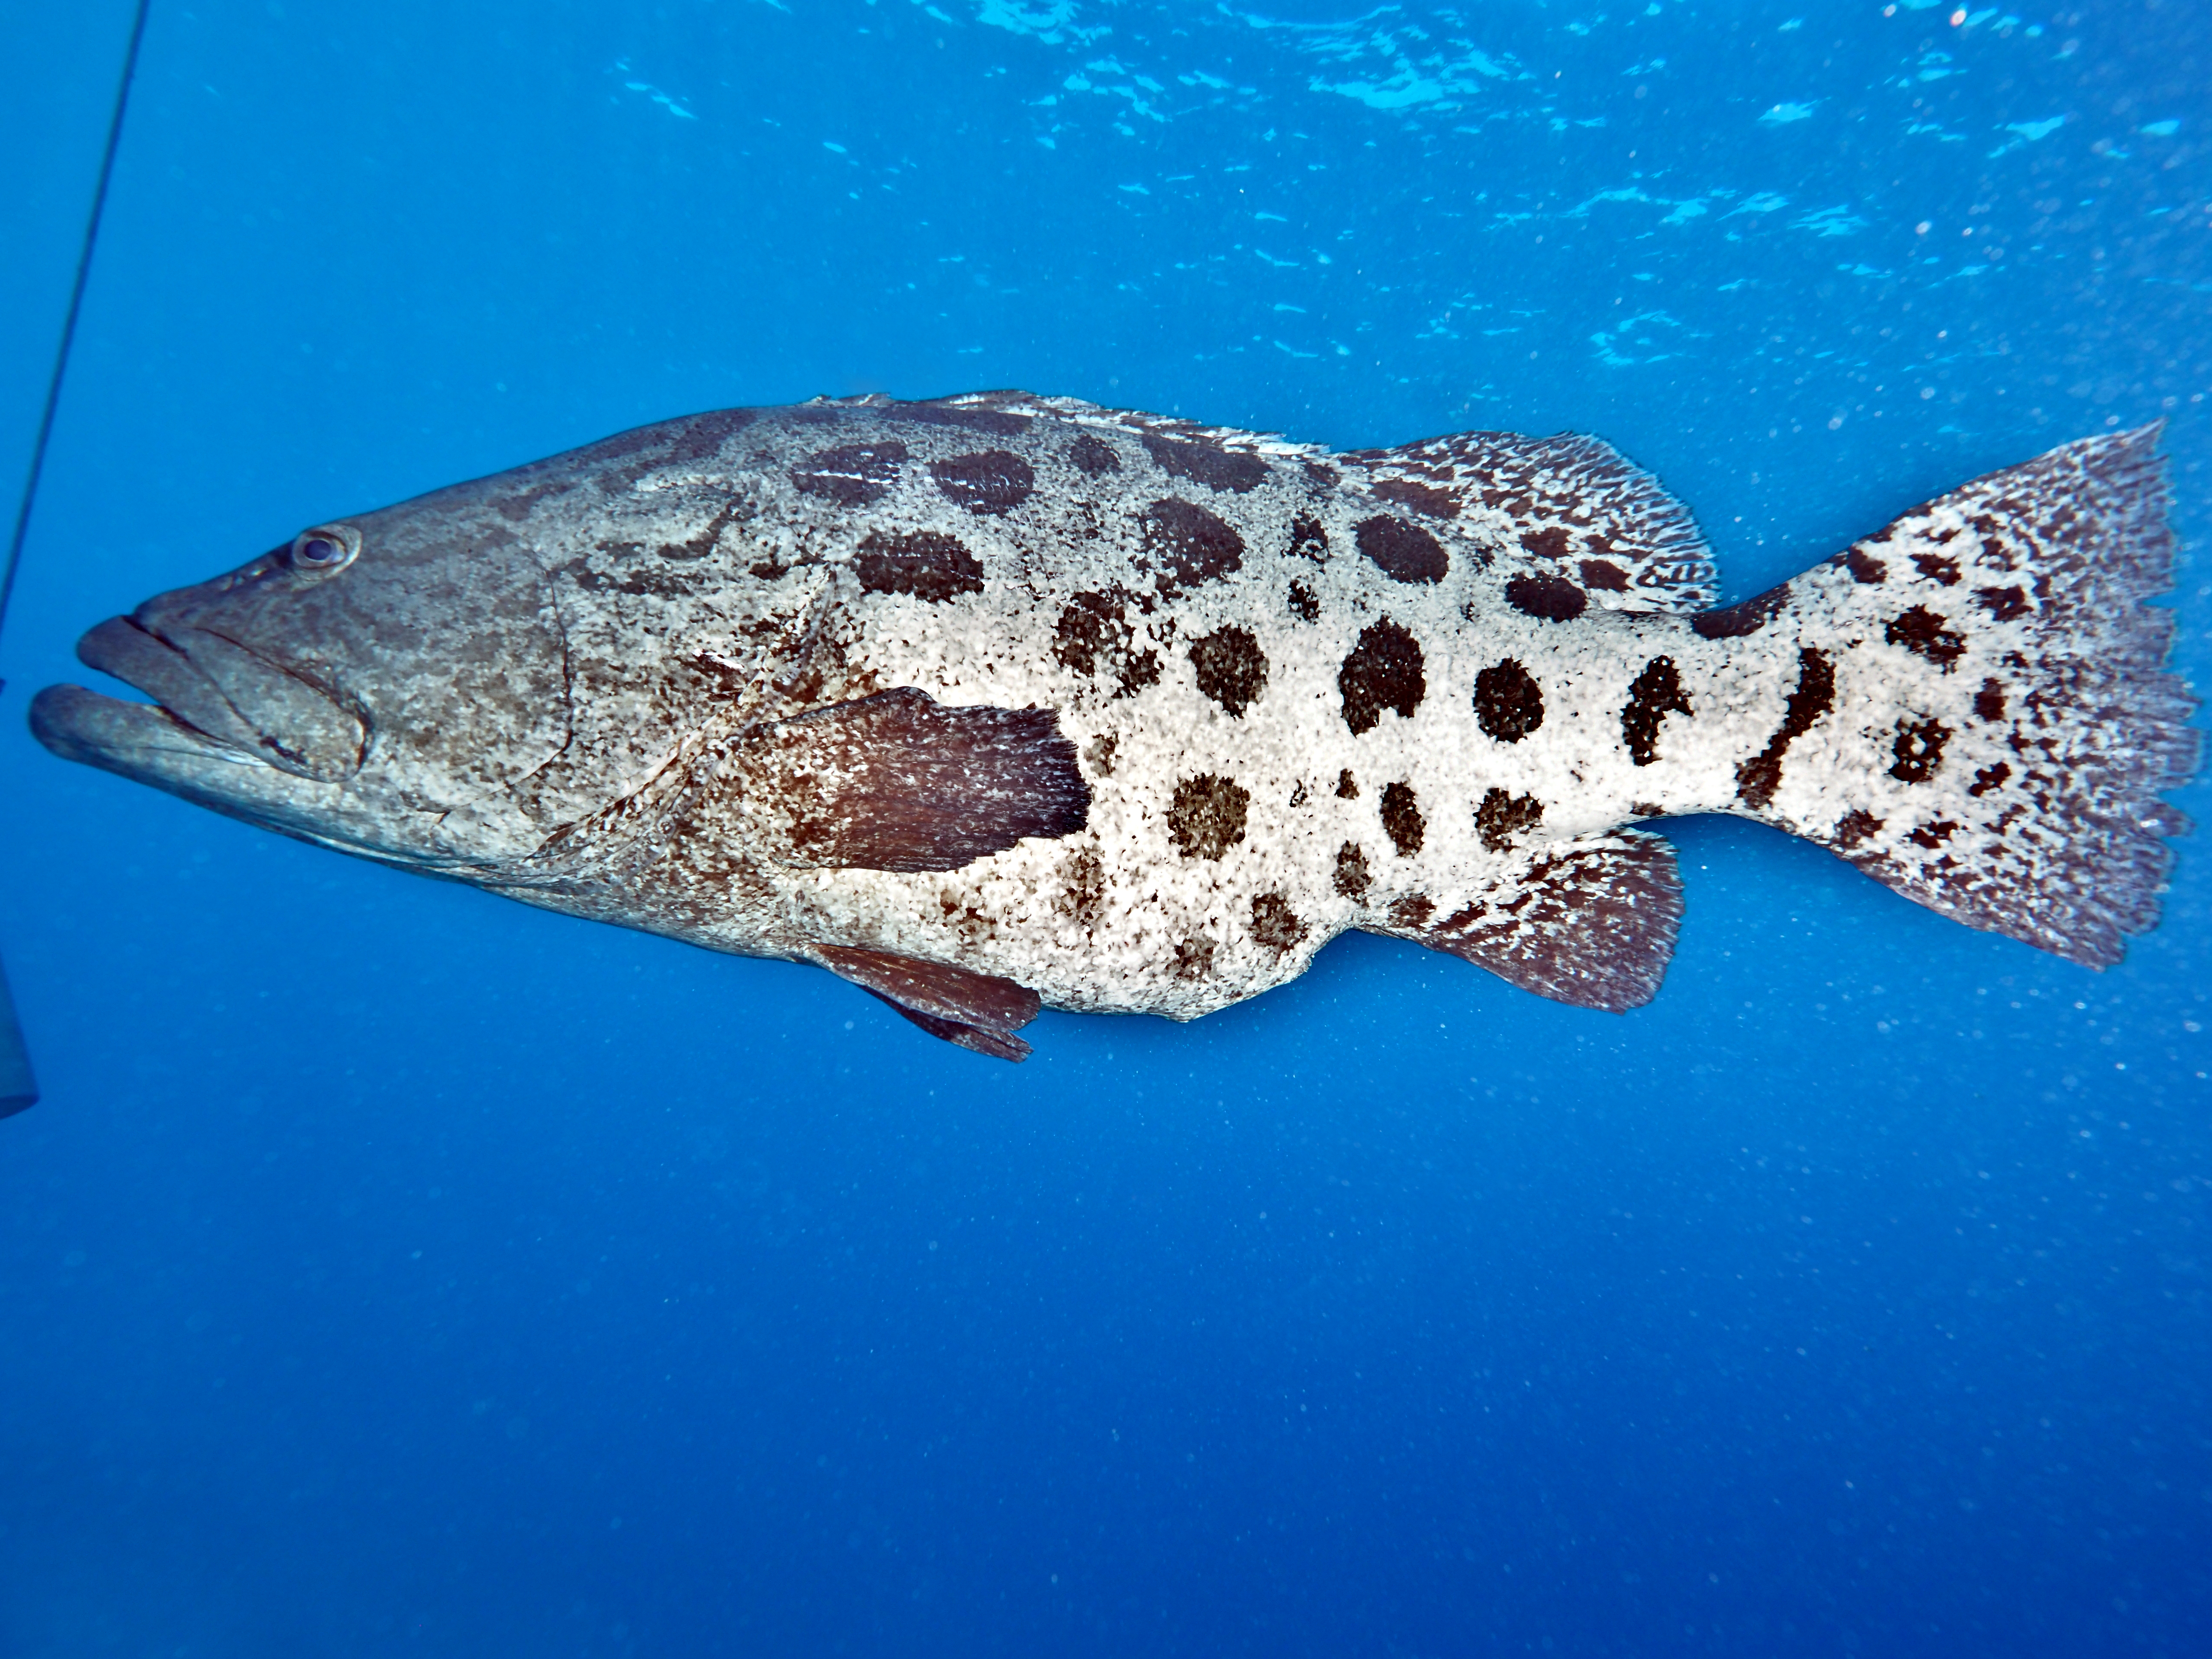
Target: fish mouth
<point>226,727</point>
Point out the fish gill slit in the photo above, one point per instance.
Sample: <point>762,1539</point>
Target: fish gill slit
<point>567,680</point>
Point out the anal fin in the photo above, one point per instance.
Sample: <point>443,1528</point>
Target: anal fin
<point>977,1011</point>
<point>1591,922</point>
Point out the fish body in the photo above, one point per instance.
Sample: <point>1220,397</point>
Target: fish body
<point>999,701</point>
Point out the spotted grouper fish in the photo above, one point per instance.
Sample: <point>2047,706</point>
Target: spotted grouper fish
<point>996,701</point>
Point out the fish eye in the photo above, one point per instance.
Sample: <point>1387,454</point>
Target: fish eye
<point>324,549</point>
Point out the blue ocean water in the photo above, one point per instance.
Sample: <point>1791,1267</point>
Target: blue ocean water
<point>390,1269</point>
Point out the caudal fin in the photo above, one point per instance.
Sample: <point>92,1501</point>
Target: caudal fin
<point>1985,692</point>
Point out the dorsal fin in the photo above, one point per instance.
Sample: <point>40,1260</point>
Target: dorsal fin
<point>975,407</point>
<point>1571,501</point>
<point>1591,922</point>
<point>979,1011</point>
<point>898,781</point>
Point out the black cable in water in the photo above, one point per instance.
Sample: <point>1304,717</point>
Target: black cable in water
<point>18,1088</point>
<point>76,305</point>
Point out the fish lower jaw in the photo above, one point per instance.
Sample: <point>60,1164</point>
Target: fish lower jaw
<point>139,741</point>
<point>147,744</point>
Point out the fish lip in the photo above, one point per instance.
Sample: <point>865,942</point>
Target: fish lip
<point>142,741</point>
<point>147,744</point>
<point>152,658</point>
<point>98,648</point>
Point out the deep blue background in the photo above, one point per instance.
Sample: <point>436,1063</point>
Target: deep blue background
<point>392,1270</point>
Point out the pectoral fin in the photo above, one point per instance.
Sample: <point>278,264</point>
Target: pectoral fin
<point>979,1011</point>
<point>898,781</point>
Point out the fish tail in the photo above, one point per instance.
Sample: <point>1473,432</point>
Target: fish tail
<point>1980,718</point>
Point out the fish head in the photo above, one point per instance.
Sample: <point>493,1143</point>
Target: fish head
<point>377,683</point>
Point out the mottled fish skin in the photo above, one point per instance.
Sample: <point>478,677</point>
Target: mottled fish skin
<point>995,700</point>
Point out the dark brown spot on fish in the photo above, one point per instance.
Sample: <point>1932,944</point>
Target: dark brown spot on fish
<point>622,444</point>
<point>1304,605</point>
<point>851,474</point>
<point>2004,604</point>
<point>1383,670</point>
<point>1422,498</point>
<point>1194,959</point>
<point>1091,624</point>
<point>1646,809</point>
<point>1347,787</point>
<point>1509,704</point>
<point>1757,778</point>
<point>1207,817</point>
<point>1275,924</point>
<point>1139,670</point>
<point>705,434</point>
<point>1990,702</point>
<point>645,583</point>
<point>998,422</point>
<point>707,540</point>
<point>1093,636</point>
<point>1551,542</point>
<point>1402,819</point>
<point>1739,620</point>
<point>1938,566</point>
<point>663,445</point>
<point>1413,911</point>
<point>1655,694</point>
<point>1921,631</point>
<point>1299,793</point>
<point>1990,777</point>
<point>1093,456</point>
<point>1403,552</point>
<point>1083,887</point>
<point>517,507</point>
<point>1603,576</point>
<point>1555,599</point>
<point>990,481</point>
<point>1231,668</point>
<point>1854,827</point>
<point>1098,754</point>
<point>1208,463</point>
<point>923,564</point>
<point>1323,476</point>
<point>1933,835</point>
<point>1309,540</point>
<point>1502,816</point>
<point>1189,545</point>
<point>1919,749</point>
<point>1864,567</point>
<point>1352,879</point>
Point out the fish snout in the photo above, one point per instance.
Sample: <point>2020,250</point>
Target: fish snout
<point>229,693</point>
